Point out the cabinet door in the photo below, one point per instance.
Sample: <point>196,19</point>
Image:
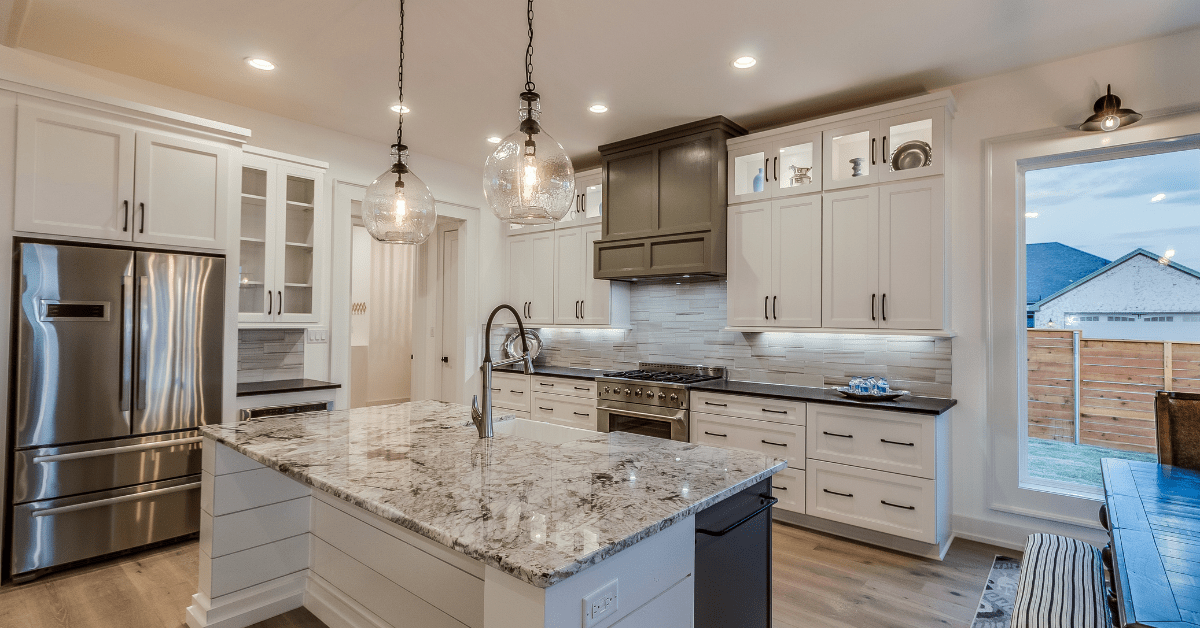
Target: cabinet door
<point>910,134</point>
<point>297,242</point>
<point>591,203</point>
<point>796,235</point>
<point>750,265</point>
<point>541,298</point>
<point>181,191</point>
<point>912,254</point>
<point>256,287</point>
<point>796,165</point>
<point>74,175</point>
<point>750,172</point>
<point>568,276</point>
<point>520,273</point>
<point>847,150</point>
<point>597,296</point>
<point>850,259</point>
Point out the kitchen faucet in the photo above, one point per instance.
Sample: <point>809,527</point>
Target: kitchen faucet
<point>482,416</point>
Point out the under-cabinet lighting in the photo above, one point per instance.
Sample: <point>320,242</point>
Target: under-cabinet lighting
<point>597,108</point>
<point>742,63</point>
<point>259,64</point>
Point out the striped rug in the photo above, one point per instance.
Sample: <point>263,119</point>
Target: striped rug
<point>999,594</point>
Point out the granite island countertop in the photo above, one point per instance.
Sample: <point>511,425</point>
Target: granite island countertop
<point>537,511</point>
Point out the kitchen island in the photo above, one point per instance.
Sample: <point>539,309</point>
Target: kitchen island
<point>400,515</point>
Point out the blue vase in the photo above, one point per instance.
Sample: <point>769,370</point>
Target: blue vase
<point>758,181</point>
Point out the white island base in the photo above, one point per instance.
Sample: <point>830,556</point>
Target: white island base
<point>270,544</point>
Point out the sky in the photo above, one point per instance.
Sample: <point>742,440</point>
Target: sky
<point>1110,208</point>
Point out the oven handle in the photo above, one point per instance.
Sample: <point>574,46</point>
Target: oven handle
<point>642,415</point>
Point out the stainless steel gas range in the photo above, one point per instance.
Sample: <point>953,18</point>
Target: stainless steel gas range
<point>652,401</point>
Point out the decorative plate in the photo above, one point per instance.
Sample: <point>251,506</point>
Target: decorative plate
<point>887,396</point>
<point>512,343</point>
<point>912,154</point>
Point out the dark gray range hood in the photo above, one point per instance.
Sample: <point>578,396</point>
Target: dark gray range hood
<point>664,203</point>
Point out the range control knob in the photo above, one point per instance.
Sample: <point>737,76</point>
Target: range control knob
<point>637,393</point>
<point>627,391</point>
<point>662,395</point>
<point>674,398</point>
<point>606,389</point>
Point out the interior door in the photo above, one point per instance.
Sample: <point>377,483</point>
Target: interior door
<point>597,297</point>
<point>180,304</point>
<point>74,176</point>
<point>750,265</point>
<point>181,192</point>
<point>541,269</point>
<point>912,255</point>
<point>449,307</point>
<point>796,235</point>
<point>569,280</point>
<point>850,259</point>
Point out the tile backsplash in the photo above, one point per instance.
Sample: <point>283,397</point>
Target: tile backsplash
<point>270,354</point>
<point>685,323</point>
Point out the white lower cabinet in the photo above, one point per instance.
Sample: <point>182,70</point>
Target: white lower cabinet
<point>510,391</point>
<point>560,400</point>
<point>886,502</point>
<point>876,439</point>
<point>783,440</point>
<point>788,487</point>
<point>563,410</point>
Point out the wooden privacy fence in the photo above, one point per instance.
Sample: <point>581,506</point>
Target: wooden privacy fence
<point>1103,388</point>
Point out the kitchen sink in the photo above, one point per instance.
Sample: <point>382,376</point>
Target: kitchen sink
<point>539,431</point>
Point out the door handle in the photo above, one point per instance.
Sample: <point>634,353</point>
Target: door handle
<point>767,503</point>
<point>837,493</point>
<point>887,503</point>
<point>838,435</point>
<point>280,306</point>
<point>445,359</point>
<point>126,341</point>
<point>142,228</point>
<point>872,306</point>
<point>270,301</point>
<point>774,315</point>
<point>49,512</point>
<point>143,343</point>
<point>872,151</point>
<point>116,450</point>
<point>125,227</point>
<point>892,442</point>
<point>883,306</point>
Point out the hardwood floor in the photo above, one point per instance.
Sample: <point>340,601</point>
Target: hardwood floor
<point>820,582</point>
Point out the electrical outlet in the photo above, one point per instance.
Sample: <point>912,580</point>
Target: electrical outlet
<point>600,604</point>
<point>317,335</point>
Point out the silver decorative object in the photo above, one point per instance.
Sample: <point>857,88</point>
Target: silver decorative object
<point>912,154</point>
<point>857,164</point>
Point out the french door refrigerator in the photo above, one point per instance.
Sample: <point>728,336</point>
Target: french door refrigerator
<point>117,359</point>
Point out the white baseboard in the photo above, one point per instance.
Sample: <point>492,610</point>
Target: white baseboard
<point>935,551</point>
<point>336,609</point>
<point>249,606</point>
<point>1013,535</point>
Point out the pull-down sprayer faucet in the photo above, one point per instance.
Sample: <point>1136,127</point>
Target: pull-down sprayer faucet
<point>482,416</point>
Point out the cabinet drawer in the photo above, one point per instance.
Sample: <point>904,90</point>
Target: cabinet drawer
<point>788,487</point>
<point>510,390</point>
<point>563,410</point>
<point>777,440</point>
<point>887,502</point>
<point>874,439</point>
<point>760,408</point>
<point>564,386</point>
<point>502,412</point>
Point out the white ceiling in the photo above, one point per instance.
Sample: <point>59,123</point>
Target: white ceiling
<point>654,63</point>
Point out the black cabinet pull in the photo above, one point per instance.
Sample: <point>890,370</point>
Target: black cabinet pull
<point>872,306</point>
<point>767,442</point>
<point>545,384</point>
<point>883,306</point>
<point>125,227</point>
<point>279,307</point>
<point>767,169</point>
<point>887,503</point>
<point>775,411</point>
<point>546,409</point>
<point>517,392</point>
<point>837,493</point>
<point>766,302</point>
<point>719,405</point>
<point>883,154</point>
<point>872,151</point>
<point>495,390</point>
<point>577,314</point>
<point>716,434</point>
<point>582,414</point>
<point>838,435</point>
<point>445,360</point>
<point>779,488</point>
<point>773,314</point>
<point>892,442</point>
<point>578,387</point>
<point>582,309</point>
<point>270,301</point>
<point>142,228</point>
<point>767,502</point>
<point>777,168</point>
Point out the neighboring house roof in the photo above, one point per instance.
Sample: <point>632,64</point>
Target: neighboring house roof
<point>1051,266</point>
<point>1110,267</point>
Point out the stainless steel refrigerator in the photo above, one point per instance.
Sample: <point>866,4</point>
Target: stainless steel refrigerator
<point>117,360</point>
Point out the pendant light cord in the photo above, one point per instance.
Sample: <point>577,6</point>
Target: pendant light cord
<point>400,79</point>
<point>529,86</point>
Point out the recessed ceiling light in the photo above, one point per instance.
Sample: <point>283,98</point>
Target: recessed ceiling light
<point>597,109</point>
<point>259,64</point>
<point>495,140</point>
<point>1158,197</point>
<point>742,63</point>
<point>400,109</point>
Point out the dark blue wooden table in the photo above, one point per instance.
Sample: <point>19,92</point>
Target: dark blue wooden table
<point>1153,518</point>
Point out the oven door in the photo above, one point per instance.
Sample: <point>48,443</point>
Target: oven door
<point>635,418</point>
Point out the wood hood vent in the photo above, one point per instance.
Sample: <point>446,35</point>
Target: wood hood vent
<point>664,203</point>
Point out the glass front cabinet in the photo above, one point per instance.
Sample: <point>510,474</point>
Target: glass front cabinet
<point>281,241</point>
<point>889,149</point>
<point>778,167</point>
<point>587,209</point>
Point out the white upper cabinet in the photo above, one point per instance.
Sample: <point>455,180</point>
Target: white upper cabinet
<point>551,280</point>
<point>284,231</point>
<point>750,265</point>
<point>86,177</point>
<point>531,276</point>
<point>569,282</point>
<point>586,210</point>
<point>852,155</point>
<point>74,175</point>
<point>851,259</point>
<point>775,263</point>
<point>781,166</point>
<point>181,190</point>
<point>912,145</point>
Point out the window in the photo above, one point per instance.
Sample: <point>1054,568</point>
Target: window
<point>1121,319</point>
<point>1159,319</point>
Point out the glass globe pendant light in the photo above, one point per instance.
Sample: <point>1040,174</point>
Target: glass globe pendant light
<point>398,208</point>
<point>529,178</point>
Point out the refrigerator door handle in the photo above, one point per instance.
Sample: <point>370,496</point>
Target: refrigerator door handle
<point>127,332</point>
<point>143,342</point>
<point>47,512</point>
<point>111,451</point>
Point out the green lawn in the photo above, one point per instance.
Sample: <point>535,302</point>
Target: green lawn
<point>1067,462</point>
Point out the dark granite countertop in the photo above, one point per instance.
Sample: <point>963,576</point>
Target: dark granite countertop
<point>556,371</point>
<point>907,403</point>
<point>250,389</point>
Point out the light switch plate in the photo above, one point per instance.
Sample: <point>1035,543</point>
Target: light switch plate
<point>317,335</point>
<point>600,604</point>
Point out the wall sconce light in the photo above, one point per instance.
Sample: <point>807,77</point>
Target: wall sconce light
<point>1109,115</point>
